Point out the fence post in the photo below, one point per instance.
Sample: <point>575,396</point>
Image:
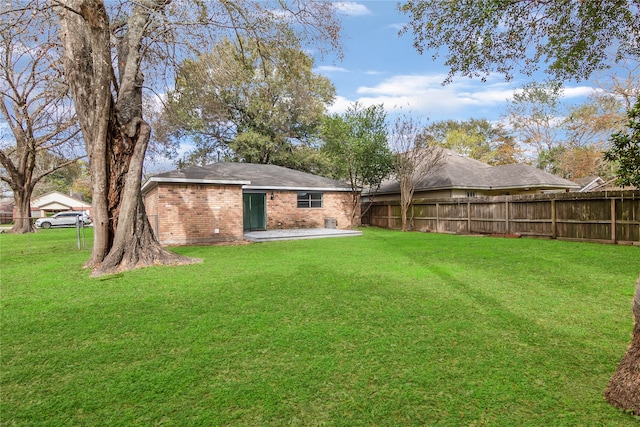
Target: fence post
<point>389,215</point>
<point>506,215</point>
<point>613,220</point>
<point>437,217</point>
<point>413,214</point>
<point>468,217</point>
<point>554,233</point>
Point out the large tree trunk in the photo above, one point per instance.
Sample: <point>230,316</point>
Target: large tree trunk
<point>21,181</point>
<point>134,242</point>
<point>88,69</point>
<point>623,390</point>
<point>22,218</point>
<point>115,134</point>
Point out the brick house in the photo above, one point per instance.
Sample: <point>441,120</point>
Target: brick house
<point>219,202</point>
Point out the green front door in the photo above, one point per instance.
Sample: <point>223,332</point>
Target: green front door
<point>254,211</point>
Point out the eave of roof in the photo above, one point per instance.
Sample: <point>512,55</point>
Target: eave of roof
<point>292,188</point>
<point>155,180</point>
<point>463,173</point>
<point>63,195</point>
<point>254,177</point>
<point>478,187</point>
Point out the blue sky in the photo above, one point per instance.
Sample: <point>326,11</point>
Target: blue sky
<point>381,67</point>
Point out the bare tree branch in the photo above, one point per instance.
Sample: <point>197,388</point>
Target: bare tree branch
<point>416,157</point>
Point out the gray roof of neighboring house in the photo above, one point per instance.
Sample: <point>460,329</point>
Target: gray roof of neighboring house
<point>250,176</point>
<point>588,183</point>
<point>585,180</point>
<point>460,172</point>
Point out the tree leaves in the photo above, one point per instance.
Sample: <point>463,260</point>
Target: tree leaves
<point>626,150</point>
<point>488,36</point>
<point>255,100</point>
<point>357,143</point>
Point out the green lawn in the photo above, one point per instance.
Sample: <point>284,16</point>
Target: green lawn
<point>385,329</point>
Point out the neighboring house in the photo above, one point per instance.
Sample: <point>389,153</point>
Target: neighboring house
<point>461,176</point>
<point>589,183</point>
<point>599,184</point>
<point>54,202</point>
<point>6,210</point>
<point>221,201</point>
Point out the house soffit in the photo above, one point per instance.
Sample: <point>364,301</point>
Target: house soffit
<point>252,177</point>
<point>277,188</point>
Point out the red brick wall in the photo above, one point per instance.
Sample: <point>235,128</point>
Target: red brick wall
<point>190,214</point>
<point>193,214</point>
<point>151,207</point>
<point>151,204</point>
<point>283,211</point>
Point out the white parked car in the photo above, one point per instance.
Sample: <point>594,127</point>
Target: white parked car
<point>64,219</point>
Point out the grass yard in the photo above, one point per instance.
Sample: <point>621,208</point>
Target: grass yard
<point>386,329</point>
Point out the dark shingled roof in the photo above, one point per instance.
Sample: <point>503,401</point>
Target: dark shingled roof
<point>460,172</point>
<point>250,176</point>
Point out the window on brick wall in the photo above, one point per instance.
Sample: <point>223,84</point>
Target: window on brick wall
<point>309,200</point>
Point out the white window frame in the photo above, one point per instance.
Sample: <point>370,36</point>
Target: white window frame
<point>310,199</point>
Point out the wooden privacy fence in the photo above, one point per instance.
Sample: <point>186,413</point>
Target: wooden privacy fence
<point>611,217</point>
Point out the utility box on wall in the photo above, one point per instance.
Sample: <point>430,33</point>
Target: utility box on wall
<point>330,223</point>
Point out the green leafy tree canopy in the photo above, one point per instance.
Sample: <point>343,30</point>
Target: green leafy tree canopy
<point>357,142</point>
<point>574,38</point>
<point>252,100</point>
<point>356,145</point>
<point>625,150</point>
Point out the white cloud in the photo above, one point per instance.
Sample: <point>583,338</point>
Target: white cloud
<point>396,26</point>
<point>574,92</point>
<point>578,91</point>
<point>403,85</point>
<point>330,69</point>
<point>351,8</point>
<point>425,94</point>
<point>340,105</point>
<point>488,97</point>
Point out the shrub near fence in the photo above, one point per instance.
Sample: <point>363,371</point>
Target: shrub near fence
<point>610,217</point>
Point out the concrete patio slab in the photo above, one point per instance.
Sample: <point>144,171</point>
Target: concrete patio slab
<point>298,234</point>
